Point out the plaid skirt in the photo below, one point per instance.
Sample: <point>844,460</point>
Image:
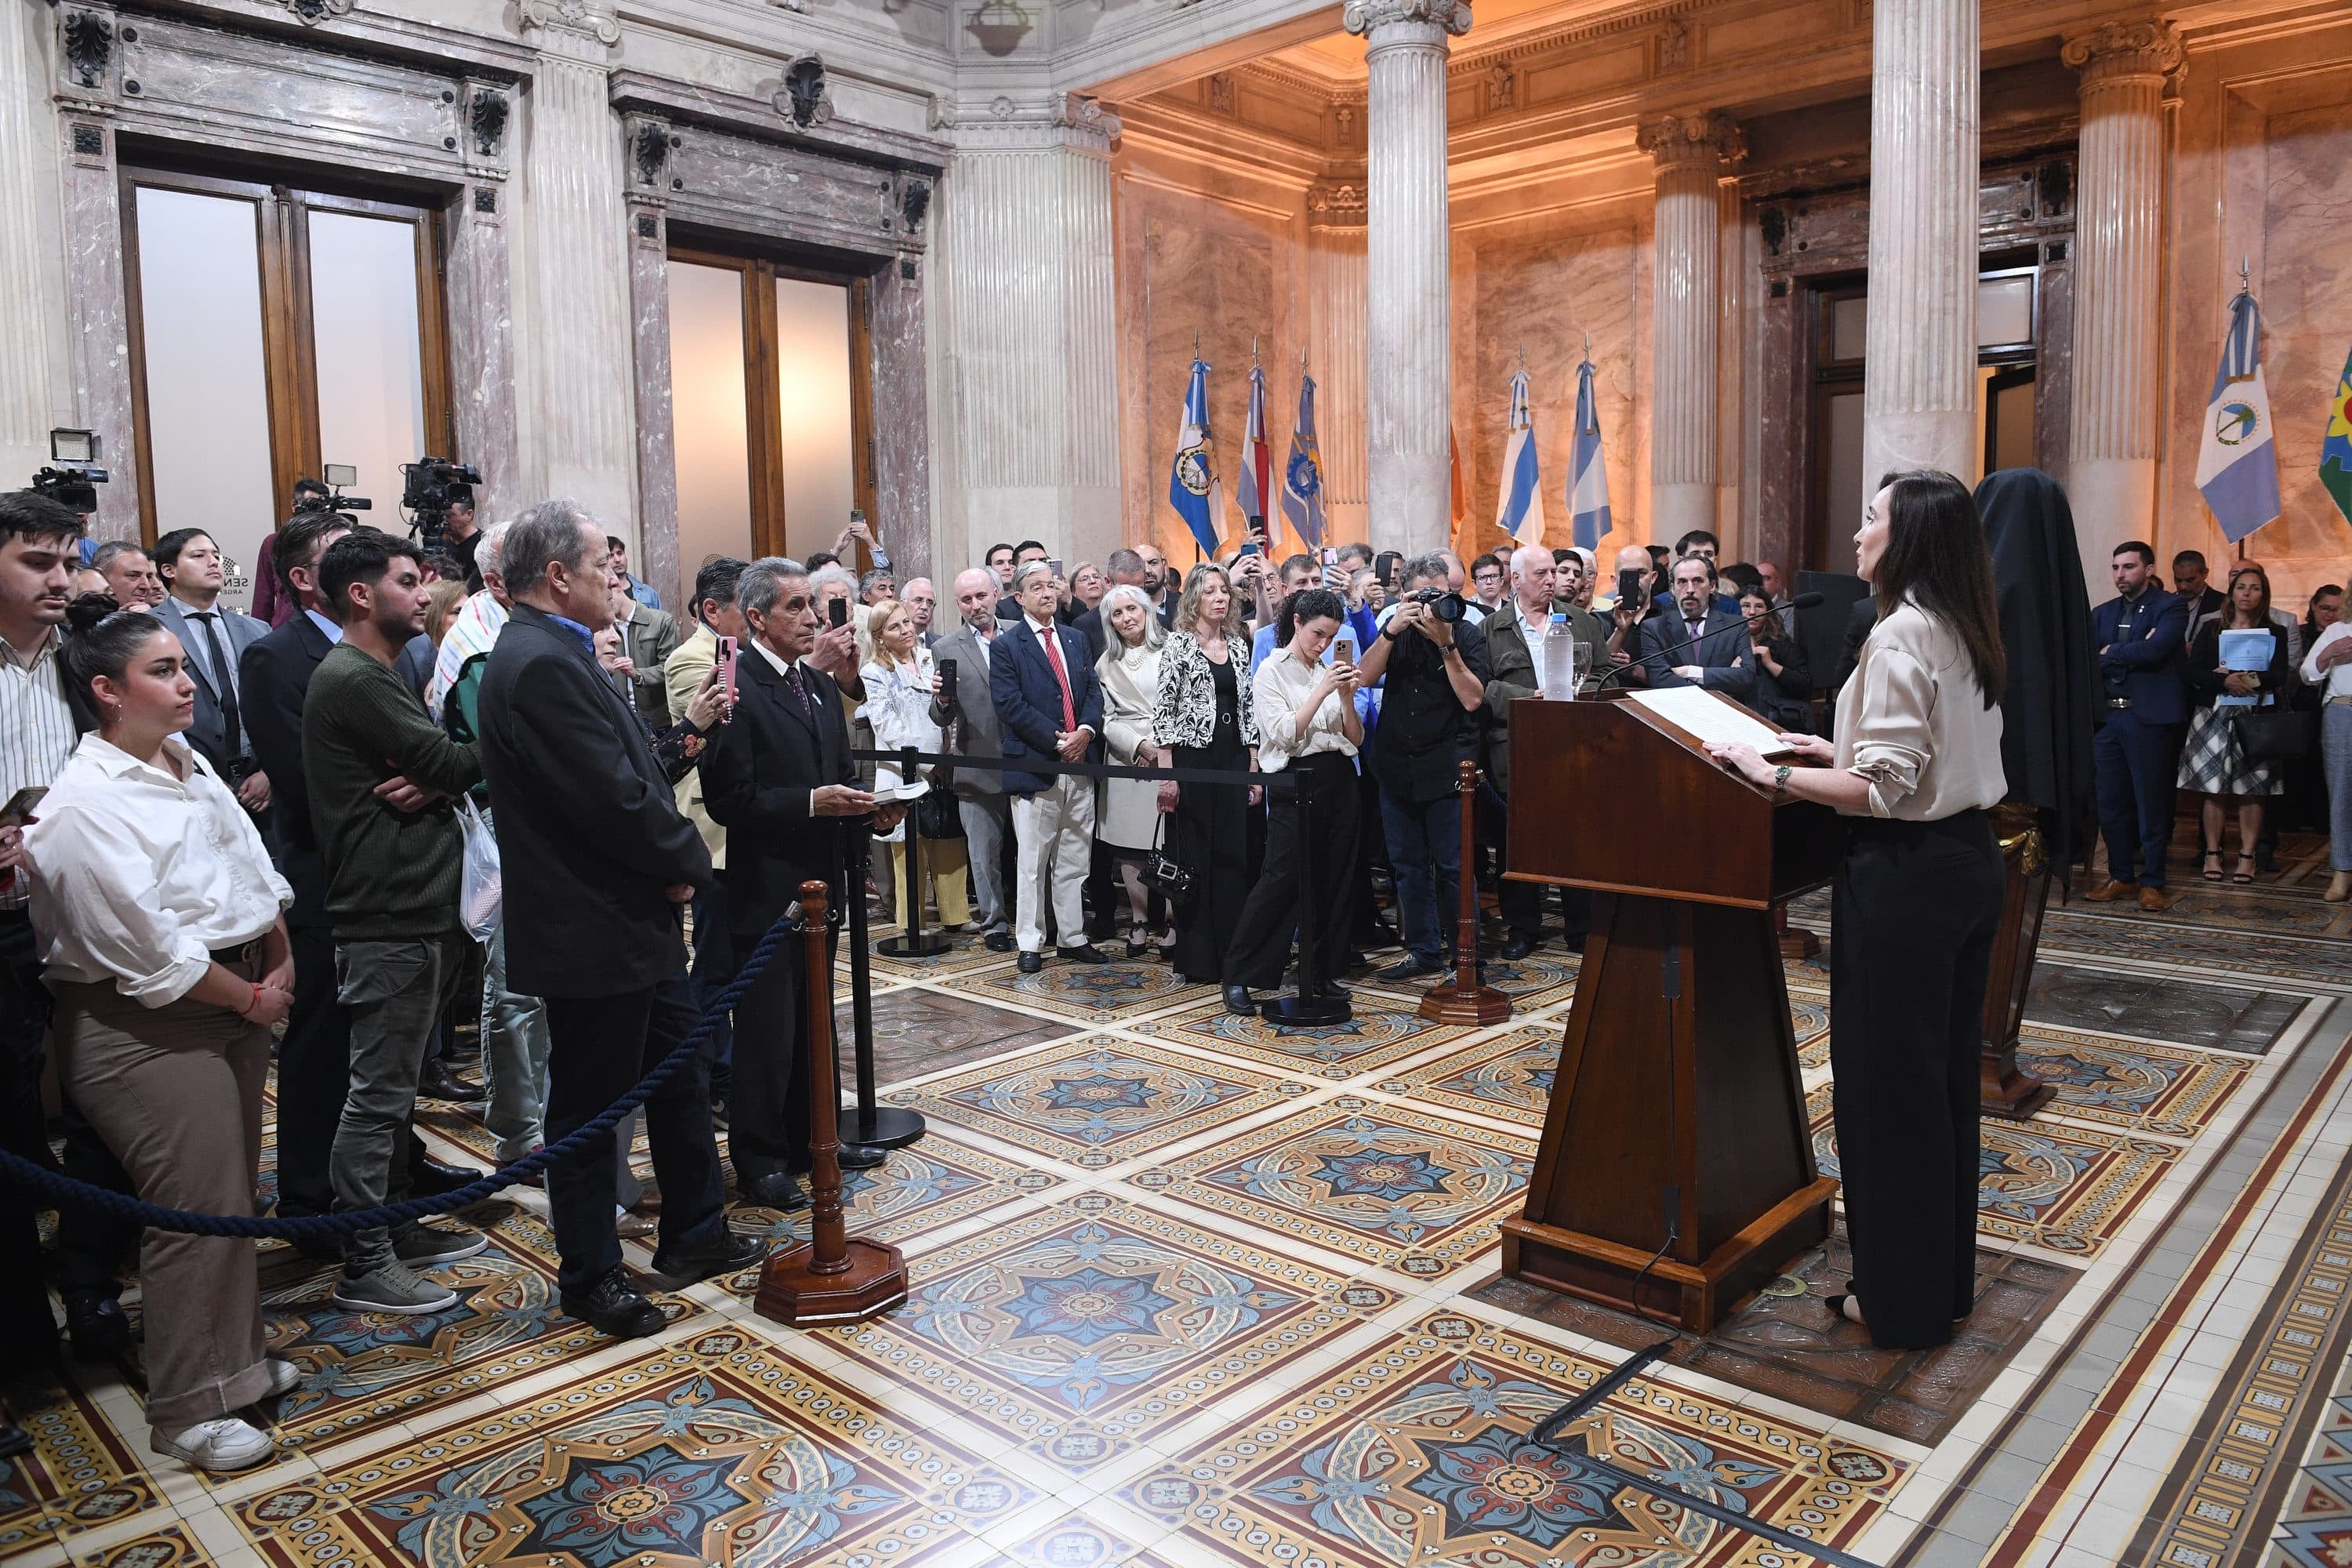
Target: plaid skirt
<point>2214,762</point>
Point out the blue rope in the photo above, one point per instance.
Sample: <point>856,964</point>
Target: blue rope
<point>25,1173</point>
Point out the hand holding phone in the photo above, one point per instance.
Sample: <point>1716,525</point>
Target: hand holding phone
<point>1629,587</point>
<point>837,612</point>
<point>727,676</point>
<point>18,812</point>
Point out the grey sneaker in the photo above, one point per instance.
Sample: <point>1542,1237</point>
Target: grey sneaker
<point>391,1287</point>
<point>423,1247</point>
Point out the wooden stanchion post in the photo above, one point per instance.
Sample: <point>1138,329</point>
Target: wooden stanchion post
<point>833,1277</point>
<point>1462,1000</point>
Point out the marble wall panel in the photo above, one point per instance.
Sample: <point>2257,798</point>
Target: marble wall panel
<point>1218,283</point>
<point>780,189</point>
<point>2306,288</point>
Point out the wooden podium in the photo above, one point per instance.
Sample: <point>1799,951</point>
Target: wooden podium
<point>1678,1089</point>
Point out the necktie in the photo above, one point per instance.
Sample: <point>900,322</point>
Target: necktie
<point>224,677</point>
<point>1697,629</point>
<point>800,694</point>
<point>1053,642</point>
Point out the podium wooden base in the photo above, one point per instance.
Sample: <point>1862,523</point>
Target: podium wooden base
<point>1479,1005</point>
<point>793,1294</point>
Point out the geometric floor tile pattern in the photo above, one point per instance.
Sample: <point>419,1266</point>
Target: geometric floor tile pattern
<point>1191,1288</point>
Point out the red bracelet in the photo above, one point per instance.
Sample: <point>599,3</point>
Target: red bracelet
<point>251,1002</point>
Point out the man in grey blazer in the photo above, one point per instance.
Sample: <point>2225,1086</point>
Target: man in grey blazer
<point>1718,660</point>
<point>969,707</point>
<point>215,638</point>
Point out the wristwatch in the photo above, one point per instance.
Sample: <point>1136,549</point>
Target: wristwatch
<point>1780,779</point>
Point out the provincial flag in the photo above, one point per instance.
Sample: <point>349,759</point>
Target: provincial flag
<point>1587,476</point>
<point>1460,496</point>
<point>1302,476</point>
<point>1257,488</point>
<point>2335,446</point>
<point>1193,483</point>
<point>2237,463</point>
<point>1519,501</point>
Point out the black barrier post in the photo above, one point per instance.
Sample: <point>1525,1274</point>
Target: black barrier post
<point>913,941</point>
<point>1314,1006</point>
<point>875,1125</point>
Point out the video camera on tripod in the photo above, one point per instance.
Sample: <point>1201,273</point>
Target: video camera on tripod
<point>432,486</point>
<point>333,500</point>
<point>73,484</point>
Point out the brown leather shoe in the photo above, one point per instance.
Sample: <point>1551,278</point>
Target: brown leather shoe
<point>2154,900</point>
<point>2110,892</point>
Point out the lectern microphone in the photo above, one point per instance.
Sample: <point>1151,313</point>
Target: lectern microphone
<point>1802,601</point>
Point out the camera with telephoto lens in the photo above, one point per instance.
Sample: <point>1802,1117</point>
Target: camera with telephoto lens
<point>432,486</point>
<point>338,474</point>
<point>73,483</point>
<point>1445,605</point>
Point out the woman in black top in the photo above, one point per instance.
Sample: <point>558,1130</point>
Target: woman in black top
<point>1203,718</point>
<point>2213,760</point>
<point>1784,681</point>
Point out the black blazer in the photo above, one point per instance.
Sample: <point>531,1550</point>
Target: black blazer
<point>1722,656</point>
<point>274,672</point>
<point>589,832</point>
<point>757,777</point>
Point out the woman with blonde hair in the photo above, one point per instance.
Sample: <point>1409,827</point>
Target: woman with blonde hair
<point>1128,820</point>
<point>1203,715</point>
<point>900,681</point>
<point>2213,759</point>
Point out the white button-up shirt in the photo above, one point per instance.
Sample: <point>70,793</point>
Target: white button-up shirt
<point>36,728</point>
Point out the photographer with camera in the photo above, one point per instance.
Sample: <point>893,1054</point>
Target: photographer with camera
<point>1431,664</point>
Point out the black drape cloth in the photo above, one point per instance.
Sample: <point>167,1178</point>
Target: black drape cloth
<point>2049,710</point>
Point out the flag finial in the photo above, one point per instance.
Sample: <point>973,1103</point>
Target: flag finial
<point>1252,348</point>
<point>2245,274</point>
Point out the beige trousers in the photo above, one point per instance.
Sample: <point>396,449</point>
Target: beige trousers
<point>175,1092</point>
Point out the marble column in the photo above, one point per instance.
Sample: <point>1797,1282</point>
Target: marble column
<point>1685,304</point>
<point>1029,345</point>
<point>1334,285</point>
<point>2111,435</point>
<point>1919,400</point>
<point>1408,335</point>
<point>26,125</point>
<point>580,435</point>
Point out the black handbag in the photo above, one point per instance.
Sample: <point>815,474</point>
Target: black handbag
<point>1166,875</point>
<point>2276,735</point>
<point>936,814</point>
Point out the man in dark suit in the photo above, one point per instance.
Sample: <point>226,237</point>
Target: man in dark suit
<point>778,779</point>
<point>1718,659</point>
<point>2193,585</point>
<point>596,861</point>
<point>1048,704</point>
<point>2141,635</point>
<point>967,720</point>
<point>214,637</point>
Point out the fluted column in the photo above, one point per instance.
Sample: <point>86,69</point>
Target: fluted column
<point>2111,424</point>
<point>580,436</point>
<point>1919,400</point>
<point>1334,285</point>
<point>28,125</point>
<point>1408,340</point>
<point>1685,304</point>
<point>1029,343</point>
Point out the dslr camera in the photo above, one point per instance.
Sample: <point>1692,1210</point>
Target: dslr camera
<point>1443,604</point>
<point>73,483</point>
<point>431,487</point>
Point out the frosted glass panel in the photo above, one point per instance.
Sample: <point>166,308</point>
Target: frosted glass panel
<point>2005,311</point>
<point>363,317</point>
<point>1849,327</point>
<point>208,405</point>
<point>812,359</point>
<point>1847,497</point>
<point>707,410</point>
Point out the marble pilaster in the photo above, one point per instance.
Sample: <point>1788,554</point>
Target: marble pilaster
<point>481,307</point>
<point>1408,327</point>
<point>1337,316</point>
<point>90,203</point>
<point>1685,462</point>
<point>1029,349</point>
<point>1919,402</point>
<point>25,125</point>
<point>649,332</point>
<point>2113,422</point>
<point>579,352</point>
<point>901,403</point>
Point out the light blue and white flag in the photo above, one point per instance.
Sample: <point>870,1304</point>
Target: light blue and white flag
<point>1192,486</point>
<point>2237,464</point>
<point>1518,505</point>
<point>1587,476</point>
<point>1302,475</point>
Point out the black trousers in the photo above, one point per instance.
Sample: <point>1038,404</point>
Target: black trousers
<point>1260,944</point>
<point>768,1113</point>
<point>598,1046</point>
<point>714,967</point>
<point>1913,911</point>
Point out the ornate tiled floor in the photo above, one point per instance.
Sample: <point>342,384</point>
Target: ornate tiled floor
<point>1189,1290</point>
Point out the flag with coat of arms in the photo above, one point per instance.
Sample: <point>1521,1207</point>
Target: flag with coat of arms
<point>1302,476</point>
<point>2237,462</point>
<point>1519,503</point>
<point>1193,488</point>
<point>2336,445</point>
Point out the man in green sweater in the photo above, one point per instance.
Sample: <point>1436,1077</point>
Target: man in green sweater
<point>393,856</point>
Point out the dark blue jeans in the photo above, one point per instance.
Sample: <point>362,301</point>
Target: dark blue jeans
<point>1425,854</point>
<point>2133,762</point>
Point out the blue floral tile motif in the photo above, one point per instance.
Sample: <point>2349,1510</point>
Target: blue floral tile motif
<point>1088,1307</point>
<point>2170,1091</point>
<point>606,1510</point>
<point>1509,1076</point>
<point>1372,1173</point>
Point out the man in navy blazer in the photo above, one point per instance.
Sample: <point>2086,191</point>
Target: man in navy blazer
<point>2141,637</point>
<point>215,638</point>
<point>1048,704</point>
<point>1719,660</point>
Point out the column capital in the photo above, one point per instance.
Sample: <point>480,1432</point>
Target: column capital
<point>1336,204</point>
<point>1362,18</point>
<point>2150,47</point>
<point>1705,141</point>
<point>572,27</point>
<point>1056,121</point>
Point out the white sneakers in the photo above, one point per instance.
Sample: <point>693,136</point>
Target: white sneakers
<point>219,1447</point>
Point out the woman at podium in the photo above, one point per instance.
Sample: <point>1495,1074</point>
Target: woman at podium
<point>1914,763</point>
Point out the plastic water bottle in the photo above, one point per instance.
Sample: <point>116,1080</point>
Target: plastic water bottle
<point>1558,667</point>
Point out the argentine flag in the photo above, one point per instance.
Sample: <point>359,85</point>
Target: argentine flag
<point>1588,476</point>
<point>1302,476</point>
<point>1518,507</point>
<point>2237,464</point>
<point>1193,485</point>
<point>1256,480</point>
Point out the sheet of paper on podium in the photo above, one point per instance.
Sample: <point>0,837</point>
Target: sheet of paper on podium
<point>1710,720</point>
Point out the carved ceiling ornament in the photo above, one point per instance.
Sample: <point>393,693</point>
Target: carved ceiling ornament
<point>90,46</point>
<point>1221,93</point>
<point>1502,86</point>
<point>1708,140</point>
<point>312,12</point>
<point>485,116</point>
<point>915,203</point>
<point>1336,204</point>
<point>650,151</point>
<point>804,100</point>
<point>590,18</point>
<point>1673,45</point>
<point>1362,16</point>
<point>2149,47</point>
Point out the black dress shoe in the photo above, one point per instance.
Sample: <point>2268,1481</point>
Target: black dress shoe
<point>853,1157</point>
<point>14,1440</point>
<point>1412,969</point>
<point>96,1328</point>
<point>777,1190</point>
<point>998,941</point>
<point>615,1306</point>
<point>1031,963</point>
<point>1519,945</point>
<point>729,1253</point>
<point>1238,1003</point>
<point>439,1083</point>
<point>1085,953</point>
<point>429,1177</point>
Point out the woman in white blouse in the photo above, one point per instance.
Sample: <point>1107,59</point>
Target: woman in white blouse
<point>1307,725</point>
<point>900,681</point>
<point>159,916</point>
<point>1127,821</point>
<point>1914,905</point>
<point>2328,666</point>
